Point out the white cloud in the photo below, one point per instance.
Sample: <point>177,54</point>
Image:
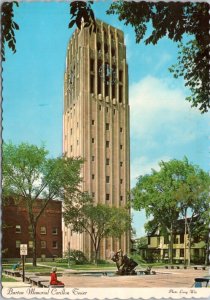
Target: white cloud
<point>156,106</point>
<point>143,165</point>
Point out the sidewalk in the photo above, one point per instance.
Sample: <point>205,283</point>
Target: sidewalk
<point>17,284</point>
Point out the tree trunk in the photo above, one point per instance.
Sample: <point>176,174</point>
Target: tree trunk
<point>171,245</point>
<point>189,248</point>
<point>34,243</point>
<point>97,254</point>
<point>207,251</point>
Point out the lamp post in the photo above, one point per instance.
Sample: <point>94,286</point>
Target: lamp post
<point>69,254</point>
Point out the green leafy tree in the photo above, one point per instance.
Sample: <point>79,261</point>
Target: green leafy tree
<point>81,12</point>
<point>167,195</point>
<point>8,27</point>
<point>174,20</point>
<point>28,175</point>
<point>98,221</point>
<point>202,230</point>
<point>193,197</point>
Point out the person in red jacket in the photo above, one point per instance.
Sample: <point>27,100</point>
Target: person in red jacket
<point>53,279</point>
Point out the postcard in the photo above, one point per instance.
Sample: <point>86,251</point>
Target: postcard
<point>105,147</point>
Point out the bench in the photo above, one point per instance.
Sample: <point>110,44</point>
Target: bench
<point>39,281</point>
<point>201,282</point>
<point>29,276</point>
<point>44,283</point>
<point>12,272</point>
<point>200,268</point>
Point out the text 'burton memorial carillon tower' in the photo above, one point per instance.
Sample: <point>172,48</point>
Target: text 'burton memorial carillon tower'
<point>96,124</point>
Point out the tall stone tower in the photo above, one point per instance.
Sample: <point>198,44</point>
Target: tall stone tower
<point>96,123</point>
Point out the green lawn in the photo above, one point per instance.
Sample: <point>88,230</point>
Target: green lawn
<point>7,279</point>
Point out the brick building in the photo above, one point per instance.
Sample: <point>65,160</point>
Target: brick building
<point>16,230</point>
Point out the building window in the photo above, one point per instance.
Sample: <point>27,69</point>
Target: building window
<point>93,122</point>
<point>107,109</point>
<point>121,163</point>
<point>18,229</point>
<point>92,64</point>
<point>71,131</point>
<point>181,253</point>
<point>107,179</point>
<point>107,126</point>
<point>113,51</point>
<point>93,158</point>
<point>113,91</point>
<point>30,229</point>
<point>98,46</point>
<point>71,148</point>
<point>120,75</point>
<point>93,140</point>
<point>174,252</point>
<point>121,198</point>
<point>121,130</point>
<point>181,238</point>
<point>55,244</point>
<point>77,142</point>
<point>55,230</point>
<point>93,194</point>
<point>43,244</point>
<point>107,144</point>
<point>17,244</point>
<point>92,81</point>
<point>165,253</point>
<point>120,94</point>
<point>43,230</point>
<point>114,111</point>
<point>107,87</point>
<point>99,107</point>
<point>30,244</point>
<point>166,239</point>
<point>93,176</point>
<point>121,181</point>
<point>106,48</point>
<point>107,161</point>
<point>121,146</point>
<point>107,196</point>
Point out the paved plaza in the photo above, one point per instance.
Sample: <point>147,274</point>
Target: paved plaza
<point>164,278</point>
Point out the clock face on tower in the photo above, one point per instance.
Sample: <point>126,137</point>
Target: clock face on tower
<point>108,74</point>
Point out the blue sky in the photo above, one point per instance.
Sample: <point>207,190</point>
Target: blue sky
<point>163,125</point>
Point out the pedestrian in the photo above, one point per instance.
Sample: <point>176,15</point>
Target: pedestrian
<point>17,266</point>
<point>54,280</point>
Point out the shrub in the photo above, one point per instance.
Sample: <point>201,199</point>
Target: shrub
<point>75,256</point>
<point>102,262</point>
<point>61,260</point>
<point>137,258</point>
